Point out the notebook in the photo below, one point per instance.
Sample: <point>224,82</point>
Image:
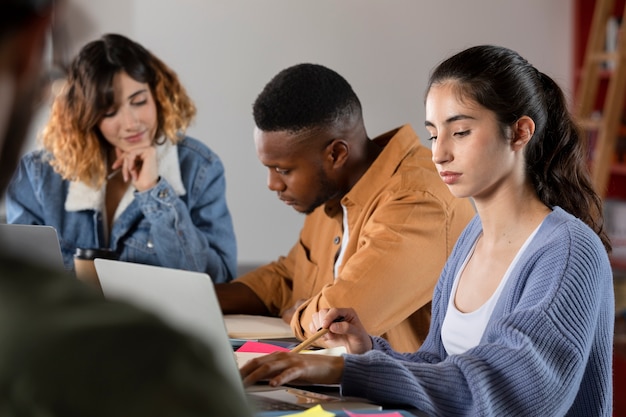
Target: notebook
<point>32,243</point>
<point>187,301</point>
<point>245,326</point>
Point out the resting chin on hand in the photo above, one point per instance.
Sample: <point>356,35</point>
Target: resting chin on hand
<point>139,166</point>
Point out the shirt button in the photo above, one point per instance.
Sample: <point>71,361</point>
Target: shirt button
<point>336,240</point>
<point>150,244</point>
<point>162,193</point>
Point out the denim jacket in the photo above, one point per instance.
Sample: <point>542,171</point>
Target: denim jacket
<point>183,222</point>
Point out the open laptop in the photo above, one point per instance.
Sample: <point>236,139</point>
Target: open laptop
<point>187,301</point>
<point>37,244</point>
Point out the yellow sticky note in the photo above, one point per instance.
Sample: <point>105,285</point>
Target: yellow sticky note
<point>316,411</point>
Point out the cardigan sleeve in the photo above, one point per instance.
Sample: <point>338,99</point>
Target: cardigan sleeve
<point>548,350</point>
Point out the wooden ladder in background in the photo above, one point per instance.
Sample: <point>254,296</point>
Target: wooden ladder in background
<point>602,121</point>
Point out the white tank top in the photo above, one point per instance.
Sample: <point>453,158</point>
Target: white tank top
<point>344,242</point>
<point>462,331</point>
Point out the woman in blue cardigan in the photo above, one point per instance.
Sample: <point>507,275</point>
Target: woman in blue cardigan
<point>522,316</point>
<point>118,172</point>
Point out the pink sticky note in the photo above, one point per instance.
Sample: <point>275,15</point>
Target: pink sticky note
<point>260,347</point>
<point>378,414</point>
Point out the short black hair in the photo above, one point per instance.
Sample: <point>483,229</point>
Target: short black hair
<point>14,13</point>
<point>305,96</point>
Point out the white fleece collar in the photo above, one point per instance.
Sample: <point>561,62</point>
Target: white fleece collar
<point>80,196</point>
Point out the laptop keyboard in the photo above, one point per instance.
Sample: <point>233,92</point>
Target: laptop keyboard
<point>271,404</point>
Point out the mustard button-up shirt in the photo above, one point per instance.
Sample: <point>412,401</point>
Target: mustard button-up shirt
<point>403,223</point>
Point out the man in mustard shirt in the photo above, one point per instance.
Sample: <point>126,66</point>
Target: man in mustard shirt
<point>380,222</point>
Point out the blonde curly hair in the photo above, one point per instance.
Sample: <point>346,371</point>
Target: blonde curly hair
<point>77,148</point>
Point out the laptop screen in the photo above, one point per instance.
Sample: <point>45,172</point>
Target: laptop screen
<point>184,299</point>
<point>35,244</point>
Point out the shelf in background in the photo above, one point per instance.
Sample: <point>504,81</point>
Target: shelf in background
<point>619,169</point>
<point>618,262</point>
<point>616,188</point>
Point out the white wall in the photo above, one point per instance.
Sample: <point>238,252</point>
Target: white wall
<point>225,52</point>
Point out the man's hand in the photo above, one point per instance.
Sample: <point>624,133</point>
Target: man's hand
<point>288,314</point>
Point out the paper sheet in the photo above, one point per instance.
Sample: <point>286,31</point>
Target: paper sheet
<point>316,411</point>
<point>253,349</point>
<point>252,346</point>
<point>243,326</point>
<point>378,414</point>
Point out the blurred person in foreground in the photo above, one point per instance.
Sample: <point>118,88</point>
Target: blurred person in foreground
<point>63,350</point>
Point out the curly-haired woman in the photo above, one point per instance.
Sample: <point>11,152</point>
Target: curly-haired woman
<point>116,170</point>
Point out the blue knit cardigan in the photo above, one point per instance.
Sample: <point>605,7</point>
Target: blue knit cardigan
<point>546,351</point>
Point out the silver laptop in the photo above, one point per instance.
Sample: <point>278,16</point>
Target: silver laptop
<point>32,243</point>
<point>187,301</point>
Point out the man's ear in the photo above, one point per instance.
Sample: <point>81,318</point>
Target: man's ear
<point>524,129</point>
<point>337,152</point>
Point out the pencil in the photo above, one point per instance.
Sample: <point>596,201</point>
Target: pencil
<point>114,173</point>
<point>308,342</point>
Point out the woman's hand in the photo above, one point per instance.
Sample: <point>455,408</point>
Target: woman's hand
<point>349,332</point>
<point>282,367</point>
<point>139,166</point>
